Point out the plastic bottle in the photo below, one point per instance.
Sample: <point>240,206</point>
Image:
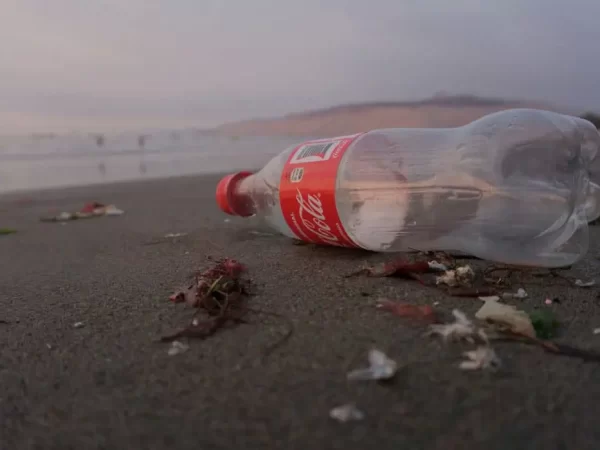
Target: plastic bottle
<point>512,187</point>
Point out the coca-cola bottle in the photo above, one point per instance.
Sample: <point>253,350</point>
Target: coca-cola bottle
<point>513,187</point>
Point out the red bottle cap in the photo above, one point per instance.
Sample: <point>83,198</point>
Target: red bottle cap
<point>226,191</point>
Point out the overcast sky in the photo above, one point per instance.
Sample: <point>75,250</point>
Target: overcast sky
<point>122,64</point>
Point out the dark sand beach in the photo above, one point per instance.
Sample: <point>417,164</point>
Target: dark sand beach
<point>111,385</point>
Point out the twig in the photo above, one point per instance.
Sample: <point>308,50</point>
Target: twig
<point>287,335</point>
<point>553,347</point>
<point>471,292</point>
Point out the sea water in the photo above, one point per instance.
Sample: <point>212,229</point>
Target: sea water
<point>47,161</point>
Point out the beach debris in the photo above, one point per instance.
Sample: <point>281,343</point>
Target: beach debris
<point>461,329</point>
<point>175,235</point>
<point>421,312</point>
<point>461,276</point>
<point>78,325</point>
<point>7,231</point>
<point>219,295</point>
<point>380,368</point>
<point>545,323</point>
<point>548,301</point>
<point>346,413</point>
<point>260,233</point>
<point>177,347</point>
<point>472,292</point>
<point>519,295</point>
<point>434,265</point>
<point>596,331</point>
<point>89,210</point>
<point>490,298</point>
<point>399,268</point>
<point>482,358</point>
<point>518,321</point>
<point>584,284</point>
<point>110,210</point>
<point>508,324</point>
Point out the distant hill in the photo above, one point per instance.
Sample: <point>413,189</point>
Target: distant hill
<point>436,112</point>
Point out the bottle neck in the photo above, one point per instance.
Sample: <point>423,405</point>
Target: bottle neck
<point>241,197</point>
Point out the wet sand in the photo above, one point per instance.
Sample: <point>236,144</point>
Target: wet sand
<point>110,384</point>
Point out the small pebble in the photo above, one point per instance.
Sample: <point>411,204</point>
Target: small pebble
<point>521,293</point>
<point>78,325</point>
<point>346,413</point>
<point>177,348</point>
<point>175,235</point>
<point>596,330</point>
<point>585,284</point>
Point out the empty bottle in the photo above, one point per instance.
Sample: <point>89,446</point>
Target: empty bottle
<point>517,187</point>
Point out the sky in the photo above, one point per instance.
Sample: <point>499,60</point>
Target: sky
<point>112,65</point>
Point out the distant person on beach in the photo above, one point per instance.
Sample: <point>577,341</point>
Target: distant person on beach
<point>102,169</point>
<point>142,144</point>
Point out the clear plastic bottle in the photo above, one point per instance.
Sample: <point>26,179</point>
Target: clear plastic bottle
<point>512,187</point>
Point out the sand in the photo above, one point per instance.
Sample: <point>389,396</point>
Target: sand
<point>108,384</point>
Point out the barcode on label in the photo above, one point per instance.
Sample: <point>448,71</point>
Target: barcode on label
<point>314,152</point>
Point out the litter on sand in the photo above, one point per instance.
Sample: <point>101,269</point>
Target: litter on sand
<point>177,348</point>
<point>585,284</point>
<point>260,233</point>
<point>380,368</point>
<point>434,265</point>
<point>520,295</point>
<point>398,268</point>
<point>346,413</point>
<point>510,325</point>
<point>89,210</point>
<point>421,312</point>
<point>482,358</point>
<point>78,325</point>
<point>461,276</point>
<point>175,235</point>
<point>7,231</point>
<point>462,329</point>
<point>218,294</point>
<point>490,298</point>
<point>517,320</point>
<point>545,323</point>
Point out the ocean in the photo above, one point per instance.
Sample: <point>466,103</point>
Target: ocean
<point>49,161</point>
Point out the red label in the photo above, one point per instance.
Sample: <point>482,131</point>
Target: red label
<point>307,191</point>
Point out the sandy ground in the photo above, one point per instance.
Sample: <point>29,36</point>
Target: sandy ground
<point>111,385</point>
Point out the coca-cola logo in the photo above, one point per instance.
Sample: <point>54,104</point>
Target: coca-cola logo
<point>315,220</point>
